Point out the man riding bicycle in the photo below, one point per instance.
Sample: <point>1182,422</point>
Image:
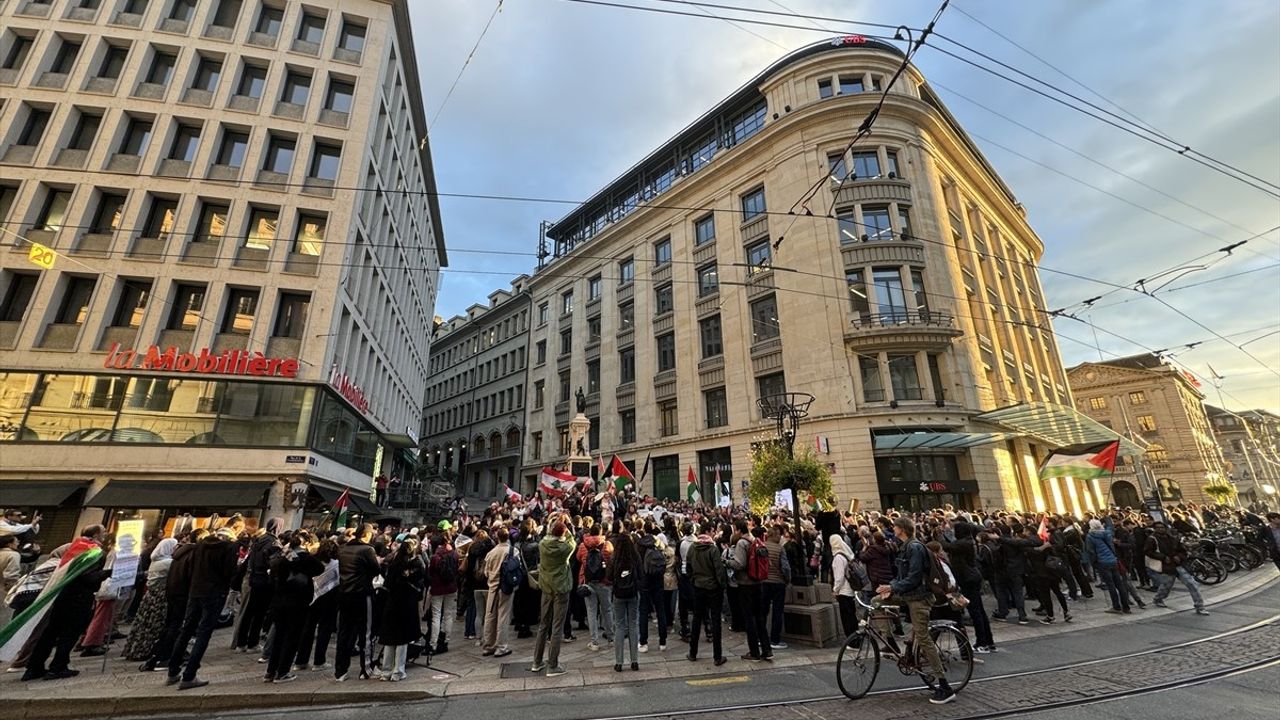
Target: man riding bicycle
<point>911,589</point>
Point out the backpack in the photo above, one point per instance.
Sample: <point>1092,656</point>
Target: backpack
<point>624,585</point>
<point>936,580</point>
<point>1055,566</point>
<point>758,561</point>
<point>512,573</point>
<point>446,568</point>
<point>855,573</point>
<point>594,571</point>
<point>655,565</point>
<point>784,566</point>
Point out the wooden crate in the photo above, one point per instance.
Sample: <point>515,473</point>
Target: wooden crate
<point>816,625</point>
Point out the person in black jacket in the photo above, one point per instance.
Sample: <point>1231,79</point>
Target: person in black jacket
<point>400,625</point>
<point>176,589</point>
<point>357,567</point>
<point>69,615</point>
<point>292,590</point>
<point>1011,592</point>
<point>213,565</point>
<point>253,614</point>
<point>963,554</point>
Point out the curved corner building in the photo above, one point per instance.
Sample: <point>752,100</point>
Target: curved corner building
<point>238,309</point>
<point>685,291</point>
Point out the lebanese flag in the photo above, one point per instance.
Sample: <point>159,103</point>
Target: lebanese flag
<point>556,483</point>
<point>340,508</point>
<point>621,475</point>
<point>512,495</point>
<point>1043,531</point>
<point>691,493</point>
<point>600,462</point>
<point>1081,461</point>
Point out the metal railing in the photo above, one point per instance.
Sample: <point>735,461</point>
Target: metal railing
<point>899,318</point>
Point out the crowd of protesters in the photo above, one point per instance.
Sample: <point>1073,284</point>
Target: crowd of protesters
<point>625,570</point>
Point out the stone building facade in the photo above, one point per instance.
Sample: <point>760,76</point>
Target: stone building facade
<point>1250,442</point>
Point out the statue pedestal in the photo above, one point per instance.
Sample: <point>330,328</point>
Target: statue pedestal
<point>579,459</point>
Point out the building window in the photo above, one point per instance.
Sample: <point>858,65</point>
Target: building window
<point>540,352</point>
<point>704,230</point>
<point>539,393</point>
<point>764,319</point>
<point>132,304</point>
<point>891,299</point>
<point>857,284</point>
<point>904,222</point>
<point>19,49</point>
<point>904,377</point>
<point>593,329</point>
<point>1137,397</point>
<point>771,385</point>
<point>759,257</point>
<point>626,271</point>
<point>253,80</point>
<point>297,87</point>
<point>75,301</point>
<point>753,204</point>
<point>566,341</point>
<point>185,143</point>
<point>668,418</point>
<point>291,315</point>
<point>1157,454</point>
<point>325,162</point>
<point>627,421</point>
<point>279,155</point>
<point>86,131</point>
<point>564,387</point>
<point>351,38</point>
<point>242,305</point>
<point>65,61</point>
<point>136,138</point>
<point>875,223</point>
<point>566,303</point>
<point>626,315</point>
<point>666,352</point>
<point>161,218</point>
<point>227,13</point>
<point>836,167</point>
<point>208,72</point>
<point>340,96</point>
<point>850,84</point>
<point>709,331</point>
<point>311,28</point>
<point>106,219</point>
<point>234,147</point>
<point>708,280</point>
<point>33,130</point>
<point>54,213</point>
<point>542,314</point>
<point>627,365</point>
<point>269,21</point>
<point>1147,423</point>
<point>213,223</point>
<point>162,66</point>
<point>113,61</point>
<point>717,405</point>
<point>184,314</point>
<point>17,296</point>
<point>263,223</point>
<point>662,252</point>
<point>663,302</point>
<point>866,165</point>
<point>593,376</point>
<point>824,88</point>
<point>594,288</point>
<point>1098,403</point>
<point>535,440</point>
<point>872,385</point>
<point>892,157</point>
<point>8,195</point>
<point>309,239</point>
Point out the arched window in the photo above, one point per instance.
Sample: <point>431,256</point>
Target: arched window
<point>477,447</point>
<point>513,438</point>
<point>1170,490</point>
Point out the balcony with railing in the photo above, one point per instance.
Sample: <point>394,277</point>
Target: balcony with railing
<point>917,329</point>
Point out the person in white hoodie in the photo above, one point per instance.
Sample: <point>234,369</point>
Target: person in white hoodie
<point>841,556</point>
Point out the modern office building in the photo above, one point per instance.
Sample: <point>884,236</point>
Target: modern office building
<point>1160,407</point>
<point>1250,443</point>
<point>902,294</point>
<point>238,196</point>
<point>473,426</point>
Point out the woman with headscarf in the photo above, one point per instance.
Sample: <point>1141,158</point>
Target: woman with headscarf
<point>841,556</point>
<point>292,590</point>
<point>148,622</point>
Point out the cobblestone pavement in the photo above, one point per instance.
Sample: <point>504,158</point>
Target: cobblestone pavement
<point>1026,692</point>
<point>236,678</point>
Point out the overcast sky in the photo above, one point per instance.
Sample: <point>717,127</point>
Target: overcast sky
<point>562,97</point>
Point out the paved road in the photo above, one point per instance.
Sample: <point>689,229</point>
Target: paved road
<point>1252,696</point>
<point>1145,632</point>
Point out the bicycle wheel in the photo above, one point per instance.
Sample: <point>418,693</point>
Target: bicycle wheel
<point>956,655</point>
<point>1206,571</point>
<point>1250,557</point>
<point>857,664</point>
<point>1229,560</point>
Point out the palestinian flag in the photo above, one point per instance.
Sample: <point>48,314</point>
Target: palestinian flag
<point>83,555</point>
<point>620,474</point>
<point>341,509</point>
<point>1081,461</point>
<point>555,483</point>
<point>691,493</point>
<point>512,495</point>
<point>644,472</point>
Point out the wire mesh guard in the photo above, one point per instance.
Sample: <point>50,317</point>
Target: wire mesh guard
<point>794,404</point>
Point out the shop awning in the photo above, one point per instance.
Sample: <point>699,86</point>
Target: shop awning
<point>37,493</point>
<point>212,494</point>
<point>401,441</point>
<point>1055,425</point>
<point>935,440</point>
<point>364,505</point>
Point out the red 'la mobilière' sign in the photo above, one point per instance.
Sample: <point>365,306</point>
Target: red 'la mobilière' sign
<point>203,362</point>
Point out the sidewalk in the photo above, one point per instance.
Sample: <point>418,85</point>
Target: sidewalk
<point>235,679</point>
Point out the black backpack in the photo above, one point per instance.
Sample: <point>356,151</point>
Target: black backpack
<point>655,565</point>
<point>624,585</point>
<point>594,569</point>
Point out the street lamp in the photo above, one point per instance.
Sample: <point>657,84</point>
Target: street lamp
<point>786,410</point>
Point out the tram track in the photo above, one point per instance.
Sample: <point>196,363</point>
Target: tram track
<point>1270,625</point>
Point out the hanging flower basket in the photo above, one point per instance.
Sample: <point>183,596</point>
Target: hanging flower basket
<point>1221,492</point>
<point>772,471</point>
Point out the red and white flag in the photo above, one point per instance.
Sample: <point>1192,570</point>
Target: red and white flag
<point>556,483</point>
<point>512,495</point>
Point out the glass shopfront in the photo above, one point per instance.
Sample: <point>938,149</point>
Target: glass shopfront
<point>923,482</point>
<point>84,408</point>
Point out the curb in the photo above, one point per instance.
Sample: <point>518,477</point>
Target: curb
<point>184,704</point>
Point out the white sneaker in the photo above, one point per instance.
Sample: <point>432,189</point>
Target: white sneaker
<point>644,648</point>
<point>592,646</point>
<point>662,648</point>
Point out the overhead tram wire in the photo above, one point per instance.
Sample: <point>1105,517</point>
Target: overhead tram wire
<point>1125,126</point>
<point>743,28</point>
<point>1180,147</point>
<point>465,64</point>
<point>705,16</point>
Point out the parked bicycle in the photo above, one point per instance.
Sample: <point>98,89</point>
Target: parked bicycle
<point>859,659</point>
